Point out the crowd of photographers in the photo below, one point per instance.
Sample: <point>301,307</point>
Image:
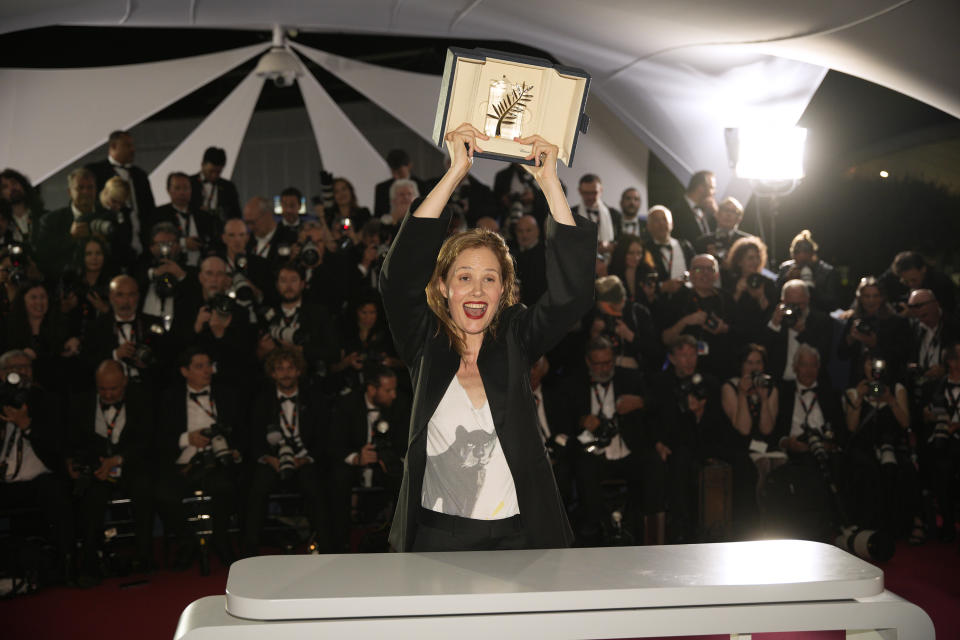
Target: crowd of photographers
<point>240,349</point>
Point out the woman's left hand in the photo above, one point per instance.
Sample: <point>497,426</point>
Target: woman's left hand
<point>463,139</point>
<point>544,156</point>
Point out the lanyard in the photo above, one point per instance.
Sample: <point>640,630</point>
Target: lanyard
<point>953,400</point>
<point>806,409</point>
<point>18,438</point>
<point>213,409</point>
<point>607,390</point>
<point>931,354</point>
<point>213,194</point>
<point>111,424</point>
<point>291,425</point>
<point>669,259</point>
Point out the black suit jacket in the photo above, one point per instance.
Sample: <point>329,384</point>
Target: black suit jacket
<point>348,426</point>
<point>102,338</point>
<point>685,223</point>
<point>827,398</point>
<point>579,393</point>
<point>720,244</point>
<point>311,423</point>
<point>203,225</point>
<point>172,420</point>
<point>663,270</point>
<point>817,332</point>
<point>532,272</point>
<point>283,236</point>
<point>616,218</point>
<point>504,362</point>
<point>135,439</point>
<point>228,201</point>
<point>46,435</point>
<point>825,292</point>
<point>103,171</point>
<point>55,247</point>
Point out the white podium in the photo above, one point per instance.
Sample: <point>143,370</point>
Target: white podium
<point>622,592</point>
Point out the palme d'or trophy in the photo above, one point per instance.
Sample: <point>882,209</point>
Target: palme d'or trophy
<point>508,96</point>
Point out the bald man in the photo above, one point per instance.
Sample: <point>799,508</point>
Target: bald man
<point>809,326</point>
<point>111,430</point>
<point>267,239</point>
<point>933,330</point>
<point>531,259</point>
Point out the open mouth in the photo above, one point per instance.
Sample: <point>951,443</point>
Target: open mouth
<point>474,310</point>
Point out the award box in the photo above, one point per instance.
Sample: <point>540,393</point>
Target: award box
<point>507,96</point>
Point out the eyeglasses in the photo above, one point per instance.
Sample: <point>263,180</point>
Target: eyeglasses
<point>702,269</point>
<point>917,305</point>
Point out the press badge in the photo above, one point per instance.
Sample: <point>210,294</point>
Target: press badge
<point>703,349</point>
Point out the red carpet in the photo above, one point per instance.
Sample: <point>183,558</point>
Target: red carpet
<point>928,576</point>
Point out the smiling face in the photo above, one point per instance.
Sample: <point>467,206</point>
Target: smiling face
<point>473,288</point>
<point>93,257</point>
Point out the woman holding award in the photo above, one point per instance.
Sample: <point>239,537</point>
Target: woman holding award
<point>477,476</point>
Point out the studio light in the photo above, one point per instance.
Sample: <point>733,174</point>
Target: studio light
<point>279,64</point>
<point>884,174</point>
<point>769,153</point>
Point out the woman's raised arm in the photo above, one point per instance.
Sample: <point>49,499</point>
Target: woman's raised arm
<point>463,142</point>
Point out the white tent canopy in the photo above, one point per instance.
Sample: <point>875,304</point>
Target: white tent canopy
<point>674,73</point>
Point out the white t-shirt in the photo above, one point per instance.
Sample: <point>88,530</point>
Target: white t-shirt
<point>466,473</point>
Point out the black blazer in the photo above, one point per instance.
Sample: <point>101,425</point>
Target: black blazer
<point>827,398</point>
<point>228,201</point>
<point>54,245</point>
<point>172,420</point>
<point>135,439</point>
<point>348,426</point>
<point>283,236</point>
<point>310,423</point>
<point>204,225</point>
<point>579,394</point>
<point>722,245</point>
<point>532,272</point>
<point>817,332</point>
<point>523,334</point>
<point>685,224</point>
<point>825,292</point>
<point>616,218</point>
<point>662,268</point>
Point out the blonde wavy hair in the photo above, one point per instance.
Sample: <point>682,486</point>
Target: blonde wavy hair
<point>451,249</point>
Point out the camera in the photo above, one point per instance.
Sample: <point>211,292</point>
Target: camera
<point>165,283</point>
<point>651,279</point>
<point>761,380</point>
<point>98,226</point>
<point>816,441</point>
<point>289,334</point>
<point>864,326</point>
<point>886,454</point>
<point>754,280</point>
<point>309,254</point>
<point>604,434</point>
<point>941,435</point>
<point>712,322</point>
<point>875,386</point>
<point>143,351</point>
<point>19,264</point>
<point>691,386</point>
<point>241,290</point>
<point>12,391</point>
<point>791,315</point>
<point>284,452</point>
<point>219,451</point>
<point>222,304</point>
<point>240,262</point>
<point>384,445</point>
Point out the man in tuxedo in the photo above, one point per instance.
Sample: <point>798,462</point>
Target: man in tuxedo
<point>403,192</point>
<point>909,271</point>
<point>111,433</point>
<point>795,322</point>
<point>368,439</point>
<point>631,223</point>
<point>531,260</point>
<point>196,229</point>
<point>255,269</point>
<point>671,256</point>
<point>118,334</point>
<point>287,429</point>
<point>692,214</point>
<point>161,274</point>
<point>556,426</point>
<point>32,457</point>
<point>62,231</point>
<point>308,328</point>
<point>267,240</point>
<point>331,279</point>
<point>290,202</point>
<point>26,207</point>
<point>515,192</point>
<point>119,162</point>
<point>807,402</point>
<point>211,193</point>
<point>822,279</point>
<point>719,241</point>
<point>933,329</point>
<point>607,406</point>
<point>401,168</point>
<point>200,433</point>
<point>594,209</point>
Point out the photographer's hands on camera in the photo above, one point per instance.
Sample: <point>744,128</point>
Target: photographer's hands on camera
<point>699,319</point>
<point>777,319</point>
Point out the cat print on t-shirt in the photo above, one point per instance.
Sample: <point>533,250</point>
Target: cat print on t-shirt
<point>463,465</point>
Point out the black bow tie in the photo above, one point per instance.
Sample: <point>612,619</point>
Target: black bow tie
<point>810,390</point>
<point>196,395</point>
<point>115,405</point>
<point>291,399</point>
<point>124,323</point>
<point>953,385</point>
<point>374,410</point>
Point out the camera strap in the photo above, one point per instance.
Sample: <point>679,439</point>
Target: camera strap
<point>112,424</point>
<point>953,400</point>
<point>806,409</point>
<point>607,391</point>
<point>212,412</point>
<point>9,440</point>
<point>290,425</point>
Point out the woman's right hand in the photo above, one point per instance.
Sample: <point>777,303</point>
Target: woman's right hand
<point>544,156</point>
<point>463,141</point>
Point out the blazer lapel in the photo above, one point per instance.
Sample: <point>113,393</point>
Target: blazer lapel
<point>439,366</point>
<point>492,363</point>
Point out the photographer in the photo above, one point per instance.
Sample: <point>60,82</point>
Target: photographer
<point>634,266</point>
<point>809,431</point>
<point>627,325</point>
<point>269,240</point>
<point>704,312</point>
<point>933,330</point>
<point>195,229</point>
<point>821,278</point>
<point>613,442</point>
<point>305,327</point>
<point>36,325</point>
<point>910,271</point>
<point>200,432</point>
<point>330,280</point>
<point>874,327</point>
<point>883,478</point>
<point>136,340</point>
<point>754,294</point>
<point>671,256</point>
<point>939,441</point>
<point>32,454</point>
<point>243,267</point>
<point>718,242</point>
<point>369,439</point>
<point>288,442</point>
<point>794,323</point>
<point>83,288</point>
<point>366,339</point>
<point>556,426</point>
<point>687,419</point>
<point>110,435</point>
<point>162,275</point>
